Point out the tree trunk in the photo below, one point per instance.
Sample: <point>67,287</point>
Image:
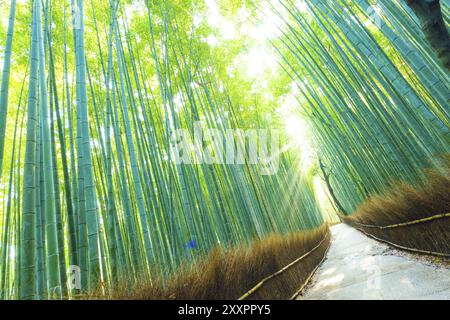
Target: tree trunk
<point>326,176</point>
<point>430,16</point>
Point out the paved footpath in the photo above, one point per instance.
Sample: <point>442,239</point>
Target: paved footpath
<point>358,267</point>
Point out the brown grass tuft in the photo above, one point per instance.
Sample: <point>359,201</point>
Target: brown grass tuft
<point>227,275</point>
<point>405,203</point>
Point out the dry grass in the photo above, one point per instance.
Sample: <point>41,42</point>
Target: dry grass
<point>227,275</point>
<point>404,203</point>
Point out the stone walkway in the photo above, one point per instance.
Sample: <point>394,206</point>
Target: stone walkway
<point>358,267</point>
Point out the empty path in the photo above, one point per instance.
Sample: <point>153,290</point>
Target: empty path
<point>358,267</point>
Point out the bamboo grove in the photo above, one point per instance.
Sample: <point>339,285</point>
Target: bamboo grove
<point>373,90</point>
<point>91,184</point>
<point>90,105</point>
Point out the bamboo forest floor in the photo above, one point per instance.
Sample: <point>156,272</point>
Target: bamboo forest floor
<point>358,268</point>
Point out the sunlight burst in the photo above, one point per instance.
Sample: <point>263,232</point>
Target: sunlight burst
<point>259,60</point>
<point>299,135</point>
